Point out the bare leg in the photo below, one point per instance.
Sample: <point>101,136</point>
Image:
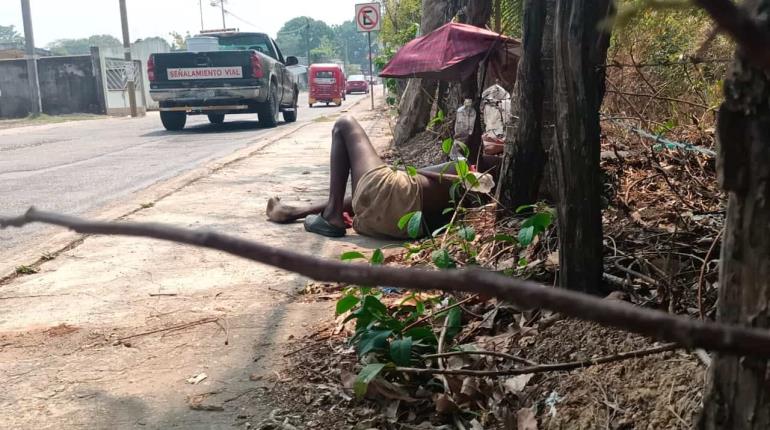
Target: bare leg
<point>352,155</point>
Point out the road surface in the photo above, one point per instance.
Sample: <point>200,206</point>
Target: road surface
<point>78,167</point>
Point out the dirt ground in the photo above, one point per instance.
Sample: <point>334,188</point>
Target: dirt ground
<point>128,333</point>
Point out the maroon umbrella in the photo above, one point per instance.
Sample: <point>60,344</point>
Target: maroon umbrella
<point>450,53</point>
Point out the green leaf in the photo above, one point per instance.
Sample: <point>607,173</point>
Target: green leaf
<point>365,376</point>
<point>471,180</point>
<point>523,262</point>
<point>442,259</point>
<point>541,221</point>
<point>462,169</point>
<point>504,238</point>
<point>374,306</point>
<point>439,230</point>
<point>464,148</point>
<point>372,340</point>
<point>352,255</point>
<point>453,191</point>
<point>467,233</point>
<point>526,235</point>
<point>401,351</point>
<point>453,322</point>
<point>447,210</point>
<point>422,334</point>
<point>523,208</point>
<point>411,171</point>
<point>446,145</point>
<point>347,303</point>
<point>404,220</point>
<point>414,228</point>
<point>377,257</point>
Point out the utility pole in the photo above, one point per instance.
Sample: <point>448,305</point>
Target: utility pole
<point>371,75</point>
<point>222,5</point>
<point>200,5</point>
<point>127,51</point>
<point>307,39</point>
<point>36,104</point>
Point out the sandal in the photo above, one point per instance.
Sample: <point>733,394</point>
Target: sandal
<point>318,225</point>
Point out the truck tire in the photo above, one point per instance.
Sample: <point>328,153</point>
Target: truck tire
<point>292,116</point>
<point>268,112</point>
<point>173,121</point>
<point>216,118</point>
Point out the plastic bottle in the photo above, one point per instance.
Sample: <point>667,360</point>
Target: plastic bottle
<point>464,124</point>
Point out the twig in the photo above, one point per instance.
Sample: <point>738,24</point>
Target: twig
<point>703,274</point>
<point>172,328</point>
<point>653,96</point>
<point>491,353</point>
<point>559,367</point>
<point>726,338</point>
<point>435,314</point>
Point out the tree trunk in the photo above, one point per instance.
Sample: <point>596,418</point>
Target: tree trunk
<point>549,185</point>
<point>477,13</point>
<point>738,388</point>
<point>580,49</point>
<point>524,160</point>
<point>419,95</point>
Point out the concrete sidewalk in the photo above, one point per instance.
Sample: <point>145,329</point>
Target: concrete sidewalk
<point>75,344</point>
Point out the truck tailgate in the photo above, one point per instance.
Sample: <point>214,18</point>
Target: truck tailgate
<point>203,70</point>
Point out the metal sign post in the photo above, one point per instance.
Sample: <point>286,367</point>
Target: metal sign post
<point>368,19</point>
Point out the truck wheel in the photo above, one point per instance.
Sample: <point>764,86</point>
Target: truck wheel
<point>173,121</point>
<point>268,112</point>
<point>216,118</point>
<point>292,116</point>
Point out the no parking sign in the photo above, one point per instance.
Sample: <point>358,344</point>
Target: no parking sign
<point>368,17</point>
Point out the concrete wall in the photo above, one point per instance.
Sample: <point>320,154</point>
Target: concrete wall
<point>14,90</point>
<point>68,85</point>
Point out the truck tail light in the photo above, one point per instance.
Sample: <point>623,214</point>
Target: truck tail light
<point>256,66</point>
<point>151,68</point>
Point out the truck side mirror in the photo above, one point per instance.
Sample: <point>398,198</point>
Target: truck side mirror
<point>291,60</point>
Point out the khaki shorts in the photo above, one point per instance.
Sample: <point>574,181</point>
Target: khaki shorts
<point>382,197</point>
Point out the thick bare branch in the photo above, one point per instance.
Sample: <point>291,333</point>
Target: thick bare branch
<point>686,332</point>
<point>735,21</point>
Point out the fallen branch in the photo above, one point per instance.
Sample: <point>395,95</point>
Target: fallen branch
<point>558,367</point>
<point>490,353</point>
<point>689,333</point>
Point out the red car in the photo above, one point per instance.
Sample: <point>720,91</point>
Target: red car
<point>357,84</point>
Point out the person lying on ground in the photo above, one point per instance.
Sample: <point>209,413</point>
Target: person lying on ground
<point>381,194</point>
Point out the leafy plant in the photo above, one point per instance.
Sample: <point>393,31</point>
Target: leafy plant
<point>536,224</point>
<point>439,119</point>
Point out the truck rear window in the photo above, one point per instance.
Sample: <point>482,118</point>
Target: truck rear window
<point>244,42</point>
<point>324,75</point>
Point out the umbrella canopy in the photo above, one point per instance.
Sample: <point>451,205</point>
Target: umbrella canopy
<point>450,53</point>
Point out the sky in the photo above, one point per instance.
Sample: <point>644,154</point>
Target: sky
<point>51,20</point>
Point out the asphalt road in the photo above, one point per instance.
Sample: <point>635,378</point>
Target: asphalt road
<point>77,167</point>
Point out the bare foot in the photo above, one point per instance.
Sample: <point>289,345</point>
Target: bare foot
<point>279,212</point>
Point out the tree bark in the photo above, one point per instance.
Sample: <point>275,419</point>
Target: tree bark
<point>524,160</point>
<point>738,389</point>
<point>419,95</point>
<point>477,13</point>
<point>580,49</point>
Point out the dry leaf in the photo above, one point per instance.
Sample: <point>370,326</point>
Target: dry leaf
<point>526,420</point>
<point>517,383</point>
<point>444,404</point>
